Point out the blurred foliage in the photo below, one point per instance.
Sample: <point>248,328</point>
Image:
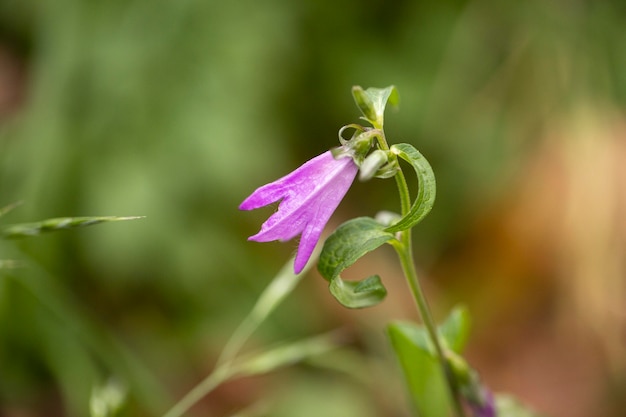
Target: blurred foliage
<point>176,110</point>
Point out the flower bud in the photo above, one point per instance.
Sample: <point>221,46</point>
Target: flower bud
<point>372,163</point>
<point>477,396</point>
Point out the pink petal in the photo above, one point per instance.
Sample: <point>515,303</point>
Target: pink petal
<point>308,197</point>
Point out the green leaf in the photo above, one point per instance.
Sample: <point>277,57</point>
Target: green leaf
<point>424,374</point>
<point>49,225</point>
<point>344,247</point>
<point>104,350</point>
<point>426,191</point>
<point>455,330</point>
<point>257,364</point>
<point>286,354</point>
<point>372,102</point>
<point>423,371</point>
<point>358,294</point>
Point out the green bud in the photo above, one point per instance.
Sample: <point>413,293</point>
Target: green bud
<point>467,378</point>
<point>372,163</point>
<point>388,170</point>
<point>363,143</point>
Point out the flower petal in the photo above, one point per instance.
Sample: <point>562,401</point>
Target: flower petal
<point>297,182</point>
<point>324,183</point>
<point>308,197</point>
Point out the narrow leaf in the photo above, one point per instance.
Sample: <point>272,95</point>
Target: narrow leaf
<point>285,355</point>
<point>344,247</point>
<point>426,191</point>
<point>49,225</point>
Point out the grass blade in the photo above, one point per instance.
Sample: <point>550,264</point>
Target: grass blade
<point>60,223</point>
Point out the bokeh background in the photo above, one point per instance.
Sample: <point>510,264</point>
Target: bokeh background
<point>177,110</point>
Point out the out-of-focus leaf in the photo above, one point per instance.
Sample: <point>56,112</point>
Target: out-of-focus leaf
<point>424,374</point>
<point>344,247</point>
<point>423,370</point>
<point>287,354</point>
<point>256,364</point>
<point>50,225</point>
<point>455,330</point>
<point>71,325</point>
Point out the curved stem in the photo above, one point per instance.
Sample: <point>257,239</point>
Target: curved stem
<point>405,253</point>
<point>382,141</point>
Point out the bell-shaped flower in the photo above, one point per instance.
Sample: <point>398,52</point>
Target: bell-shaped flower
<point>308,197</point>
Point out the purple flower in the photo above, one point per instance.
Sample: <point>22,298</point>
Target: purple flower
<point>308,197</point>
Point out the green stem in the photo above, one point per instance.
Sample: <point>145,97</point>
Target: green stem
<point>207,385</point>
<point>405,253</point>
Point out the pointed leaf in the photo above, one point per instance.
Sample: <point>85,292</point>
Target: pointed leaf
<point>364,102</point>
<point>426,191</point>
<point>423,372</point>
<point>344,247</point>
<point>422,369</point>
<point>455,330</point>
<point>33,229</point>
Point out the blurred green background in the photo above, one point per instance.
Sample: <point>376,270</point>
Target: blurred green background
<point>177,110</point>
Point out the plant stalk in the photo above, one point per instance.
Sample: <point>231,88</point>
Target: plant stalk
<point>405,253</point>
